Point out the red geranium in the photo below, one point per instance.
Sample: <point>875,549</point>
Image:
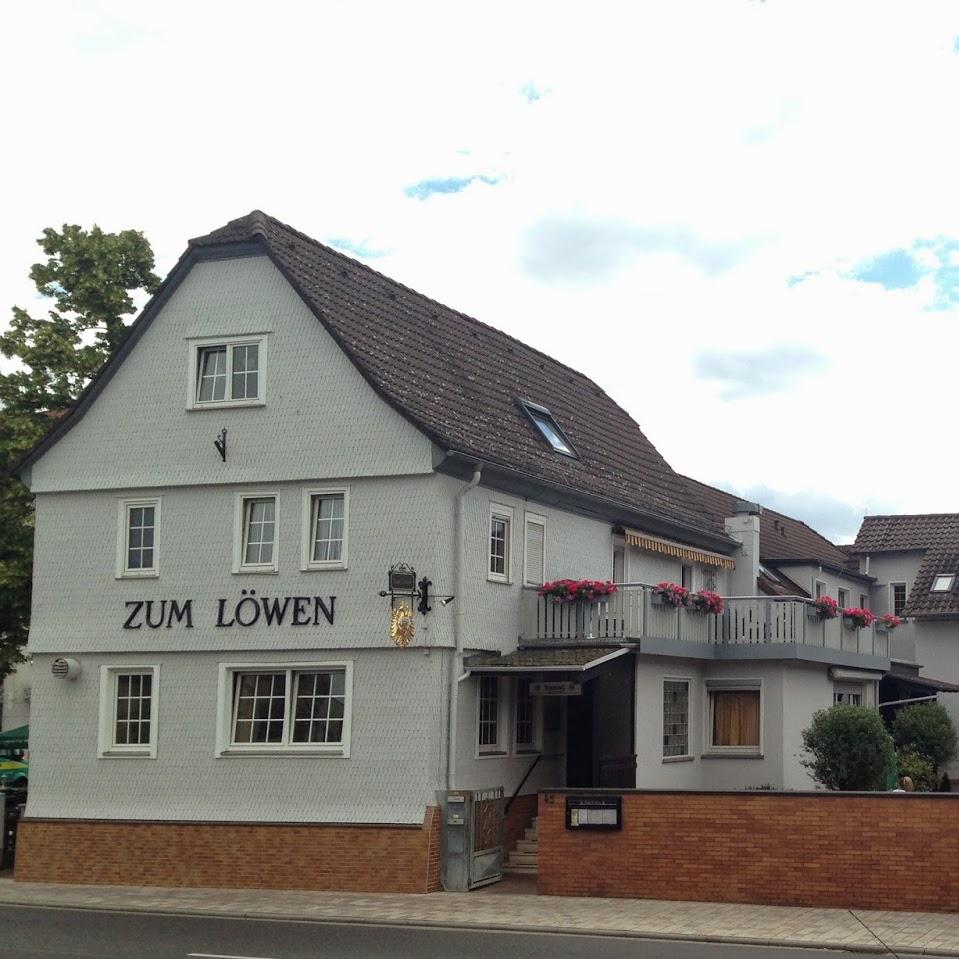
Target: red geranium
<point>706,601</point>
<point>827,606</point>
<point>889,620</point>
<point>672,593</point>
<point>861,617</point>
<point>572,590</point>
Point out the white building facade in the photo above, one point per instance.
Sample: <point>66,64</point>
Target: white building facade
<point>215,524</point>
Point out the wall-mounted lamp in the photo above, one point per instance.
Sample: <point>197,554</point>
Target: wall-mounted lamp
<point>404,588</point>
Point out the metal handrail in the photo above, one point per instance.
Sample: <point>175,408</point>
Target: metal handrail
<point>509,802</point>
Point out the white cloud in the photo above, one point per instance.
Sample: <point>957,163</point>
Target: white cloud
<point>817,131</point>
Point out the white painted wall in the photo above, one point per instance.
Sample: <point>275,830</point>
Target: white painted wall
<point>321,418</point>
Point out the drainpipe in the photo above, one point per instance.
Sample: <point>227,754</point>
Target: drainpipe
<point>459,591</point>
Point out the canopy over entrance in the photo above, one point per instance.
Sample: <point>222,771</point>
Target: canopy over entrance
<point>576,659</point>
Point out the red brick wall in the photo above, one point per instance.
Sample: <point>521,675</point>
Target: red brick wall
<point>232,855</point>
<point>890,851</point>
<point>518,820</point>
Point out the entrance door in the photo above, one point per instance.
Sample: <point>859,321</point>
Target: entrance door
<point>579,739</point>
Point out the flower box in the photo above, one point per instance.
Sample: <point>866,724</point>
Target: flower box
<point>670,594</point>
<point>577,590</point>
<point>706,601</point>
<point>888,622</point>
<point>855,617</point>
<point>849,622</point>
<point>812,612</point>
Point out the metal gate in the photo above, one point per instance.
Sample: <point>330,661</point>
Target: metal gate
<point>486,856</point>
<point>472,838</point>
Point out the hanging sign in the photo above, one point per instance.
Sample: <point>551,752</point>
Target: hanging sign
<point>556,689</point>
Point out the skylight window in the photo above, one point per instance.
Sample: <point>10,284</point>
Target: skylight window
<point>943,583</point>
<point>548,428</point>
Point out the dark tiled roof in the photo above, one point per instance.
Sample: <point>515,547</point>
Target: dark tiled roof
<point>937,535</point>
<point>459,380</point>
<point>903,672</point>
<point>576,658</point>
<point>780,537</point>
<point>880,534</point>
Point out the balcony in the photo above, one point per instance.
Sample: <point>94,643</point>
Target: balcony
<point>633,614</point>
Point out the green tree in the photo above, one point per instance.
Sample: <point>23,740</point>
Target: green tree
<point>849,748</point>
<point>918,768</point>
<point>89,275</point>
<point>928,729</point>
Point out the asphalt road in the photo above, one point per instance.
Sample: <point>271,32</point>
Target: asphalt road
<point>31,933</point>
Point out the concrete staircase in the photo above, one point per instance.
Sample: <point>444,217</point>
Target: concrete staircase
<point>523,859</point>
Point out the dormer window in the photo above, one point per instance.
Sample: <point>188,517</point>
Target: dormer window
<point>228,372</point>
<point>943,583</point>
<point>548,428</point>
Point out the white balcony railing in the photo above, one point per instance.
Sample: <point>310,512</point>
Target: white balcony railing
<point>634,613</point>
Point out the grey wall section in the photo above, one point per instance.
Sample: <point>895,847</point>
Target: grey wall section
<point>78,604</point>
<point>395,763</point>
<point>806,577</point>
<point>898,568</point>
<point>936,646</point>
<point>321,418</point>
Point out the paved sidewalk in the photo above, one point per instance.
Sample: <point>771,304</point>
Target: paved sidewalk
<point>902,933</point>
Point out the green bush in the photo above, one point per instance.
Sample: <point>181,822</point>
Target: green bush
<point>918,768</point>
<point>849,748</point>
<point>928,729</point>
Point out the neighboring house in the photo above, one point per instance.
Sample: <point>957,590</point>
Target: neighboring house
<point>215,525</point>
<point>914,560</point>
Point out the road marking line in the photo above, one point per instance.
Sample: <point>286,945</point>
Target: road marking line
<point>217,955</point>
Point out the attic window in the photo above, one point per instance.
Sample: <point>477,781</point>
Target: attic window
<point>548,428</point>
<point>943,583</point>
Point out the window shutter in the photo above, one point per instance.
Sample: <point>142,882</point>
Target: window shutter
<point>535,553</point>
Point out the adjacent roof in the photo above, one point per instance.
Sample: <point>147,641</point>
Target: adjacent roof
<point>782,539</point>
<point>937,534</point>
<point>456,379</point>
<point>903,672</point>
<point>576,659</point>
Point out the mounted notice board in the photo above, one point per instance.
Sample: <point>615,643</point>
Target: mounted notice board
<point>594,812</point>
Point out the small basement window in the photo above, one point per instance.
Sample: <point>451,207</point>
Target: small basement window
<point>548,427</point>
<point>943,582</point>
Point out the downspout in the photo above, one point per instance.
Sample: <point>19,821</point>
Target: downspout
<point>459,591</point>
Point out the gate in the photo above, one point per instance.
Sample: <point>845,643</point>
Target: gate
<point>472,838</point>
<point>486,856</point>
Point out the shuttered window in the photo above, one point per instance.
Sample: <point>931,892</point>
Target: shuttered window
<point>535,566</point>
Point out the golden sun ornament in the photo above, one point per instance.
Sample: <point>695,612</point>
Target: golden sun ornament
<point>401,626</point>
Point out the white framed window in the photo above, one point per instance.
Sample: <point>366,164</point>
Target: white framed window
<point>129,697</point>
<point>138,531</point>
<point>848,694</point>
<point>734,711</point>
<point>819,589</point>
<point>676,719</point>
<point>534,553</point>
<point>255,532</point>
<point>709,578</point>
<point>490,738</point>
<point>686,577</point>
<point>499,566</point>
<point>326,514</point>
<point>528,720</point>
<point>619,563</point>
<point>284,708</point>
<point>897,598</point>
<point>943,582</point>
<point>228,371</point>
<point>842,597</point>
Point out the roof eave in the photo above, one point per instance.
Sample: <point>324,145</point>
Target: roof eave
<point>822,564</point>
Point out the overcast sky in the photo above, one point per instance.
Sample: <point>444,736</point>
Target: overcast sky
<point>739,218</point>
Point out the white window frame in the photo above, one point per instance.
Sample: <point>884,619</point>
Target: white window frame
<point>935,579</point>
<point>106,747</point>
<point>503,734</point>
<point>224,745</point>
<point>850,689</point>
<point>732,685</point>
<point>306,547</point>
<point>537,520</point>
<point>497,511</point>
<point>688,755</point>
<point>839,594</point>
<point>239,532</point>
<point>123,538</point>
<point>526,749</point>
<point>892,596</point>
<point>818,588</point>
<point>193,386</point>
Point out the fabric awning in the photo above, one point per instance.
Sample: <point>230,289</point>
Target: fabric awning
<point>15,738</point>
<point>656,544</point>
<point>576,659</point>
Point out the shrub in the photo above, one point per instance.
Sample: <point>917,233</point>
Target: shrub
<point>849,748</point>
<point>929,730</point>
<point>918,768</point>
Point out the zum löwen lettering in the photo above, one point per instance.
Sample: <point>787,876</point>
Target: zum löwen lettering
<point>248,611</point>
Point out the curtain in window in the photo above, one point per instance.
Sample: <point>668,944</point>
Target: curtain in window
<point>736,717</point>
